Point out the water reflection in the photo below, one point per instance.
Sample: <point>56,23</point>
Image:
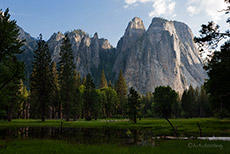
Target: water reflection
<point>93,135</point>
<point>82,135</point>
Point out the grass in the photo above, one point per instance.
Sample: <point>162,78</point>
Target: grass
<point>58,147</point>
<point>185,127</point>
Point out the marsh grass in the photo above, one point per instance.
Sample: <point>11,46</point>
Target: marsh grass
<point>59,147</point>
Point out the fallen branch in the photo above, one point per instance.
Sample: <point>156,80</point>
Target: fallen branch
<point>199,128</point>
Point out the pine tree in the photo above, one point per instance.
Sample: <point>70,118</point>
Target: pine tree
<point>121,86</point>
<point>34,105</point>
<point>109,101</point>
<point>78,102</point>
<point>12,104</point>
<point>103,83</point>
<point>110,84</point>
<point>22,98</point>
<point>121,89</point>
<point>77,77</point>
<point>217,66</point>
<point>88,97</point>
<point>66,76</point>
<point>218,83</point>
<point>55,91</point>
<point>134,104</point>
<point>189,102</point>
<point>91,107</point>
<point>11,70</point>
<point>147,101</point>
<point>41,77</point>
<point>203,103</point>
<point>166,102</point>
<point>10,45</point>
<point>10,67</point>
<point>84,81</point>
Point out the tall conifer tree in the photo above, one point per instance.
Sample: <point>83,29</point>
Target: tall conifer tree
<point>134,104</point>
<point>11,70</point>
<point>22,101</point>
<point>91,106</point>
<point>55,89</point>
<point>103,83</point>
<point>67,66</point>
<point>188,102</point>
<point>88,97</point>
<point>77,104</point>
<point>41,77</point>
<point>121,89</point>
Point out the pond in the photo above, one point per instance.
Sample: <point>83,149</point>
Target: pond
<point>93,135</point>
<point>82,135</point>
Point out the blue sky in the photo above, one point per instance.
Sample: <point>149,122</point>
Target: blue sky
<point>108,17</point>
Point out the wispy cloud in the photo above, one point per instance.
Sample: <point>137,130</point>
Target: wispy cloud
<point>135,1</point>
<point>192,10</point>
<point>211,8</point>
<point>160,7</point>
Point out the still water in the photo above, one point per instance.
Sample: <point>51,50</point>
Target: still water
<point>93,135</point>
<point>82,135</point>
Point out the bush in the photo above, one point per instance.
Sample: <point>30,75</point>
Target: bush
<point>149,113</point>
<point>222,114</point>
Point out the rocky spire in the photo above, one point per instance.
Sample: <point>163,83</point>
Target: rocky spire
<point>95,36</point>
<point>133,32</point>
<point>135,28</point>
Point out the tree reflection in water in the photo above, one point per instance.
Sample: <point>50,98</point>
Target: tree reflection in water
<point>82,135</point>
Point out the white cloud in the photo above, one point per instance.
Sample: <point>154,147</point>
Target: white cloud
<point>135,1</point>
<point>192,10</point>
<point>211,7</point>
<point>131,5</point>
<point>163,7</point>
<point>160,7</point>
<point>171,7</point>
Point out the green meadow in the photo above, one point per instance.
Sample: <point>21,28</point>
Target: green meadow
<point>160,127</point>
<point>164,147</point>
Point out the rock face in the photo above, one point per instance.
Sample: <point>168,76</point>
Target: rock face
<point>86,50</point>
<point>133,32</point>
<point>162,55</point>
<point>28,55</point>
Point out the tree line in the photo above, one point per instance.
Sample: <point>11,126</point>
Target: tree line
<point>57,91</point>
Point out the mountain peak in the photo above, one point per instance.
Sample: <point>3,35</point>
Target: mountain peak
<point>95,36</point>
<point>80,32</point>
<point>135,27</point>
<point>136,23</point>
<point>159,19</point>
<point>57,36</point>
<point>157,24</point>
<point>133,32</point>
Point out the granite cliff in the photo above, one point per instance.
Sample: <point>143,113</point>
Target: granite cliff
<point>164,54</point>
